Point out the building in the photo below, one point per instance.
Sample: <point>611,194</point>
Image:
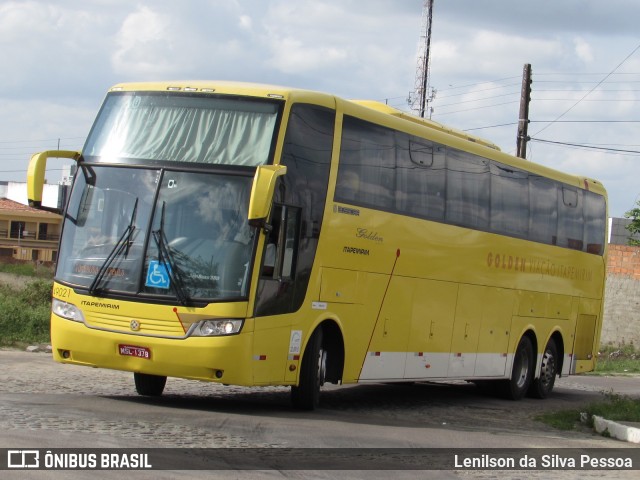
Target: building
<point>27,233</point>
<point>618,233</point>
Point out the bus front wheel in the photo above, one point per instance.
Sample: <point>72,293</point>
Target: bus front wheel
<point>541,387</point>
<point>306,396</point>
<point>149,385</point>
<point>522,373</point>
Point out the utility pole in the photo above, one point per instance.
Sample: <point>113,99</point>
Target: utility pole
<point>523,119</point>
<point>421,96</point>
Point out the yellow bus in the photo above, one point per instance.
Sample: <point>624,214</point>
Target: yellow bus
<point>258,235</point>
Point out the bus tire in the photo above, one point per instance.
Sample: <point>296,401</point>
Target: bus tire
<point>541,387</point>
<point>522,372</point>
<point>149,385</point>
<point>306,396</point>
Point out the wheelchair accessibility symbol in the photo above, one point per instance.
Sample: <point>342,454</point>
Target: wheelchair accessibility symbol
<point>158,275</point>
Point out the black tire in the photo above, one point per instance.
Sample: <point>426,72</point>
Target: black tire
<point>306,396</point>
<point>541,387</point>
<point>522,372</point>
<point>149,385</point>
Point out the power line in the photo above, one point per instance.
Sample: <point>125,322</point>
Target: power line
<point>45,140</point>
<point>586,82</point>
<point>478,99</point>
<point>606,100</point>
<point>24,171</point>
<point>585,74</point>
<point>547,121</point>
<point>457,87</point>
<point>590,91</point>
<point>585,121</point>
<point>490,126</point>
<point>476,91</point>
<point>549,90</point>
<point>478,108</point>
<point>617,90</point>
<point>589,147</point>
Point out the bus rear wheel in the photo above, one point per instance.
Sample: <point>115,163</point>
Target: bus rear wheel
<point>149,385</point>
<point>541,387</point>
<point>306,396</point>
<point>522,372</point>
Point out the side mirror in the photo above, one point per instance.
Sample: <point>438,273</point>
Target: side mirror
<point>264,185</point>
<point>35,173</point>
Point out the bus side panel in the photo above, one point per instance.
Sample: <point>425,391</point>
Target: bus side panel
<point>587,335</point>
<point>493,343</point>
<point>432,316</point>
<point>466,331</point>
<point>270,348</point>
<point>387,352</point>
<point>354,298</point>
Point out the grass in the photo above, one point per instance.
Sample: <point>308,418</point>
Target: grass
<point>618,360</point>
<point>25,305</point>
<point>612,360</point>
<point>27,269</point>
<point>25,312</point>
<point>619,408</point>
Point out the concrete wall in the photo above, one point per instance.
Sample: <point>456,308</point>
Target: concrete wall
<point>621,324</point>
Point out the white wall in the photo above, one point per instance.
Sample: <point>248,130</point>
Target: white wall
<point>17,191</point>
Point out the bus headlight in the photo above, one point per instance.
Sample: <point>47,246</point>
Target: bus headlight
<point>66,310</point>
<point>216,328</point>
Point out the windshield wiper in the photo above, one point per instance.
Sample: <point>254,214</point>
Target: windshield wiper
<point>122,245</point>
<point>165,257</point>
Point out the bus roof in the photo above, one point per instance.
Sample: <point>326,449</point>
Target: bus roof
<point>224,87</point>
<point>384,108</point>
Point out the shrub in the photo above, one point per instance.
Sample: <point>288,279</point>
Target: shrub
<point>25,313</point>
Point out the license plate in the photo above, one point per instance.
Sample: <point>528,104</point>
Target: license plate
<point>133,351</point>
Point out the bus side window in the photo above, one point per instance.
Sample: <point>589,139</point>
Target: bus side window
<point>570,218</point>
<point>281,245</point>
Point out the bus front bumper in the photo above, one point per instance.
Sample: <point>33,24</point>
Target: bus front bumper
<point>225,359</point>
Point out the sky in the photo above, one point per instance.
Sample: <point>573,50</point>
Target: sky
<point>58,59</point>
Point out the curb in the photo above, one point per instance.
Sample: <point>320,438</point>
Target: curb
<point>616,430</point>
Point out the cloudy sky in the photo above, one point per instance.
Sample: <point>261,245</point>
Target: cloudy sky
<point>59,57</point>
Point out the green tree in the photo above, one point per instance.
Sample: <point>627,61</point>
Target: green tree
<point>634,226</point>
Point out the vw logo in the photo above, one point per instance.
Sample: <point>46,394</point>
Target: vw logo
<point>134,325</point>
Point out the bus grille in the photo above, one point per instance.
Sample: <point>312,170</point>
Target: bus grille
<point>162,327</point>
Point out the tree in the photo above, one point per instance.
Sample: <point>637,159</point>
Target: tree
<point>634,226</point>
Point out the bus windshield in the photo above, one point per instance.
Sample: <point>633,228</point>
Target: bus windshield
<point>166,126</point>
<point>179,235</point>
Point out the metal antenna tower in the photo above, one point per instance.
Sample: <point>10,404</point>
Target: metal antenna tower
<point>421,95</point>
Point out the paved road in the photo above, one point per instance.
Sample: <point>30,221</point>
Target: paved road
<point>48,405</point>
